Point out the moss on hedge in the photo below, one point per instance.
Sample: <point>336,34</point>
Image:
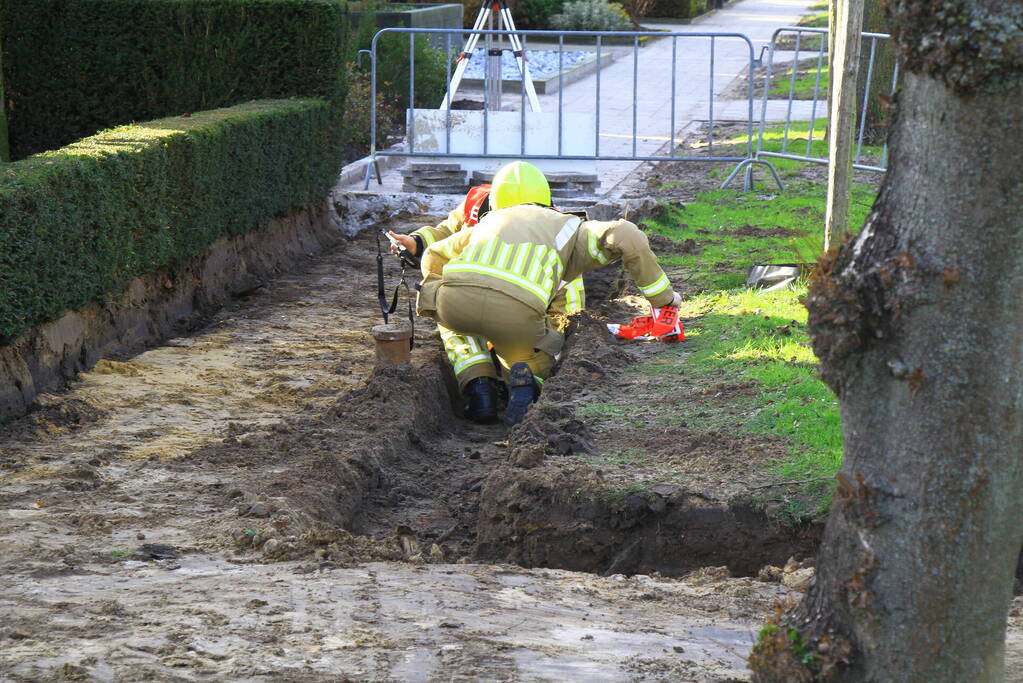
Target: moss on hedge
<point>79,222</point>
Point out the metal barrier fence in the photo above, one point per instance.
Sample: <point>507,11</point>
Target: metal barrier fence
<point>799,37</point>
<point>433,133</point>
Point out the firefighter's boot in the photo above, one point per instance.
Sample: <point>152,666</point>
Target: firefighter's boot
<point>522,392</point>
<point>481,400</point>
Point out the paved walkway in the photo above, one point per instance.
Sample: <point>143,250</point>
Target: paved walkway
<point>679,62</point>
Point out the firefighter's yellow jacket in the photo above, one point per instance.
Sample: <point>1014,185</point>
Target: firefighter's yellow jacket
<point>527,251</point>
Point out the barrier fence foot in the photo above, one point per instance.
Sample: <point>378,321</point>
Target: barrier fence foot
<point>365,183</point>
<point>372,165</point>
<point>746,165</point>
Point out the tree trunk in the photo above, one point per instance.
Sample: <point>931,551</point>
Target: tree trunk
<point>918,323</point>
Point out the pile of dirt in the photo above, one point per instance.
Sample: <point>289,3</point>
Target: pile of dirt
<point>748,230</point>
<point>304,482</point>
<point>554,505</point>
<point>664,246</point>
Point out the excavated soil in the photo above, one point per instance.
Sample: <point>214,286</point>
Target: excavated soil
<point>255,499</point>
<point>658,497</point>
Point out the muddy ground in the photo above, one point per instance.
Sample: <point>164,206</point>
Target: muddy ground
<point>254,500</point>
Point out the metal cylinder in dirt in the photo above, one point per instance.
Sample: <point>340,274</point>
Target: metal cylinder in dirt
<point>392,343</point>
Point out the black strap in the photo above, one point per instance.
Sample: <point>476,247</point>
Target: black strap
<point>381,295</point>
<point>406,261</point>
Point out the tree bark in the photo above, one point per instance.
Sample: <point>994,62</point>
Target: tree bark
<point>918,324</point>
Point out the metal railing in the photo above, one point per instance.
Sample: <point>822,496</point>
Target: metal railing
<point>799,37</point>
<point>650,137</point>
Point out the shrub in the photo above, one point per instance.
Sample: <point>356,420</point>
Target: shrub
<point>470,10</point>
<point>678,9</point>
<point>536,14</point>
<point>72,67</point>
<point>355,128</point>
<point>81,221</point>
<point>393,70</point>
<point>591,15</point>
<point>636,9</point>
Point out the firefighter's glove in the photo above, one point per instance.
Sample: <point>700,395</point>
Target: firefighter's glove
<point>408,241</point>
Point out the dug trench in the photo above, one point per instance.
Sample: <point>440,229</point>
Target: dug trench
<point>390,471</point>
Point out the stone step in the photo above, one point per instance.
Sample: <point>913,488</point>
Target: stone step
<point>452,176</point>
<point>434,187</point>
<point>572,193</point>
<point>480,177</point>
<point>434,166</point>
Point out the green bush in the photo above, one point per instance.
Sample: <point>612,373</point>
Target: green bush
<point>81,221</point>
<point>393,70</point>
<point>591,15</point>
<point>72,67</point>
<point>536,14</point>
<point>355,127</point>
<point>392,91</point>
<point>677,9</point>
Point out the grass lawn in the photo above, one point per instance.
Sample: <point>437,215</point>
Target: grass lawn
<point>749,336</point>
<point>807,41</point>
<point>739,230</point>
<point>805,86</point>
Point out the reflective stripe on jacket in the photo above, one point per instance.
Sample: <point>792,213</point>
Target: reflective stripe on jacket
<point>526,251</point>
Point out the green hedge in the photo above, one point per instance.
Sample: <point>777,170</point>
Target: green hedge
<point>677,9</point>
<point>78,223</point>
<point>72,67</point>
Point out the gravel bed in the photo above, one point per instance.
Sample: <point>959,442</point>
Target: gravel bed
<point>542,63</point>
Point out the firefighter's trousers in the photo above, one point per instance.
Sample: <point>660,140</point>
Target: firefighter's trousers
<point>468,317</point>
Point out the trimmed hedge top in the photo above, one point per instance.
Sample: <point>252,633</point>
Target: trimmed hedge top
<point>72,67</point>
<point>82,221</point>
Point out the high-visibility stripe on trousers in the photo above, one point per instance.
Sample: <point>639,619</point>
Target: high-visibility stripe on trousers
<point>468,355</point>
<point>516,330</point>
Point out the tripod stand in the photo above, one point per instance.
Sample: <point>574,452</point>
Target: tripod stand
<point>506,23</point>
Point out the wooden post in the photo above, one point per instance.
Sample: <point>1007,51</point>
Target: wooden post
<point>845,63</point>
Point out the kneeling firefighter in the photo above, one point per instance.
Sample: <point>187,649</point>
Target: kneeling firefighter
<point>497,280</point>
<point>470,360</point>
